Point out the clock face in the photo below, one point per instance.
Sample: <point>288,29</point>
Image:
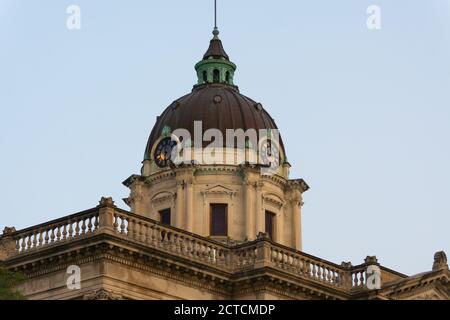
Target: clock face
<point>163,152</point>
<point>270,154</point>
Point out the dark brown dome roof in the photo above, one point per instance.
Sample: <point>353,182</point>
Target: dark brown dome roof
<point>216,50</point>
<point>218,106</point>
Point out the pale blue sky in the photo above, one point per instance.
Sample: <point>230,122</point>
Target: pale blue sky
<point>365,115</point>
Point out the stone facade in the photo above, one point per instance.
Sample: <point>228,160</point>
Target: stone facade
<point>122,255</point>
<point>189,191</point>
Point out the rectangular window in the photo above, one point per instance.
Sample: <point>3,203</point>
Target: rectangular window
<point>219,225</point>
<point>164,216</point>
<point>270,222</point>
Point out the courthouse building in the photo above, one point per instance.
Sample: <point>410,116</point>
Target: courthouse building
<point>195,229</point>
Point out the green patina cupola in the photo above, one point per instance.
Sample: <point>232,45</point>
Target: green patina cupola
<point>216,66</point>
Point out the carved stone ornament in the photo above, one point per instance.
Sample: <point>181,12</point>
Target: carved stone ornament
<point>106,201</point>
<point>219,190</point>
<point>8,230</point>
<point>102,294</point>
<point>371,260</point>
<point>440,261</point>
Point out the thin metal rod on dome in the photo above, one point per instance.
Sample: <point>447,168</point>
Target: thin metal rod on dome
<point>215,14</point>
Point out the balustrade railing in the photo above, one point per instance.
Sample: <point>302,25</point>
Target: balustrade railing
<point>358,277</point>
<point>305,265</point>
<point>178,242</point>
<point>57,231</point>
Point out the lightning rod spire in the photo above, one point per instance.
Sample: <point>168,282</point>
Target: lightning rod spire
<point>216,30</point>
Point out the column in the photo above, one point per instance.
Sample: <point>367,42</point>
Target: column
<point>189,206</point>
<point>279,225</point>
<point>296,221</point>
<point>250,214</point>
<point>260,223</point>
<point>179,206</point>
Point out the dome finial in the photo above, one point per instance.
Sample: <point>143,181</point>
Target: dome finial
<point>216,33</point>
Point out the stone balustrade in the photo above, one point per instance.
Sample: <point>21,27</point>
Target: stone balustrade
<point>358,277</point>
<point>107,218</point>
<point>54,232</point>
<point>306,266</point>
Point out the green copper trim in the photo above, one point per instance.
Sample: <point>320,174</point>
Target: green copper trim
<point>215,69</point>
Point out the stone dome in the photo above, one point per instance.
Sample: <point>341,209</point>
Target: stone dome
<point>215,101</point>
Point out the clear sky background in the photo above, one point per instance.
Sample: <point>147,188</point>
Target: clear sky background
<point>365,115</point>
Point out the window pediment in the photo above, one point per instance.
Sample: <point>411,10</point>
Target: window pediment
<point>219,190</point>
<point>163,197</point>
<point>274,199</point>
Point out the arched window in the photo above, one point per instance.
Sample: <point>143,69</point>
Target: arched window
<point>227,77</point>
<point>205,77</point>
<point>216,76</point>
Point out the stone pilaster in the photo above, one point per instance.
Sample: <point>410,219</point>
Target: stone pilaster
<point>179,220</point>
<point>250,216</point>
<point>189,205</point>
<point>259,221</point>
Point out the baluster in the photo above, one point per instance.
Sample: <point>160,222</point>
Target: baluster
<point>153,231</point>
<point>130,227</point>
<point>194,248</point>
<point>47,239</point>
<point>179,243</point>
<point>58,233</point>
<point>96,222</point>
<point>89,227</point>
<point>149,234</point>
<point>64,233</point>
<point>212,254</point>
<point>314,270</point>
<point>182,245</point>
<point>297,267</point>
<point>158,237</point>
<point>83,226</point>
<point>122,225</point>
<point>41,239</point>
<point>201,251</point>
<point>325,275</point>
<point>175,242</point>
<point>18,245</point>
<point>144,232</point>
<point>77,228</point>
<point>362,279</point>
<point>28,242</point>
<point>35,233</point>
<point>70,229</point>
<point>206,252</point>
<point>23,245</point>
<point>329,274</point>
<point>136,230</point>
<point>189,247</point>
<point>52,234</point>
